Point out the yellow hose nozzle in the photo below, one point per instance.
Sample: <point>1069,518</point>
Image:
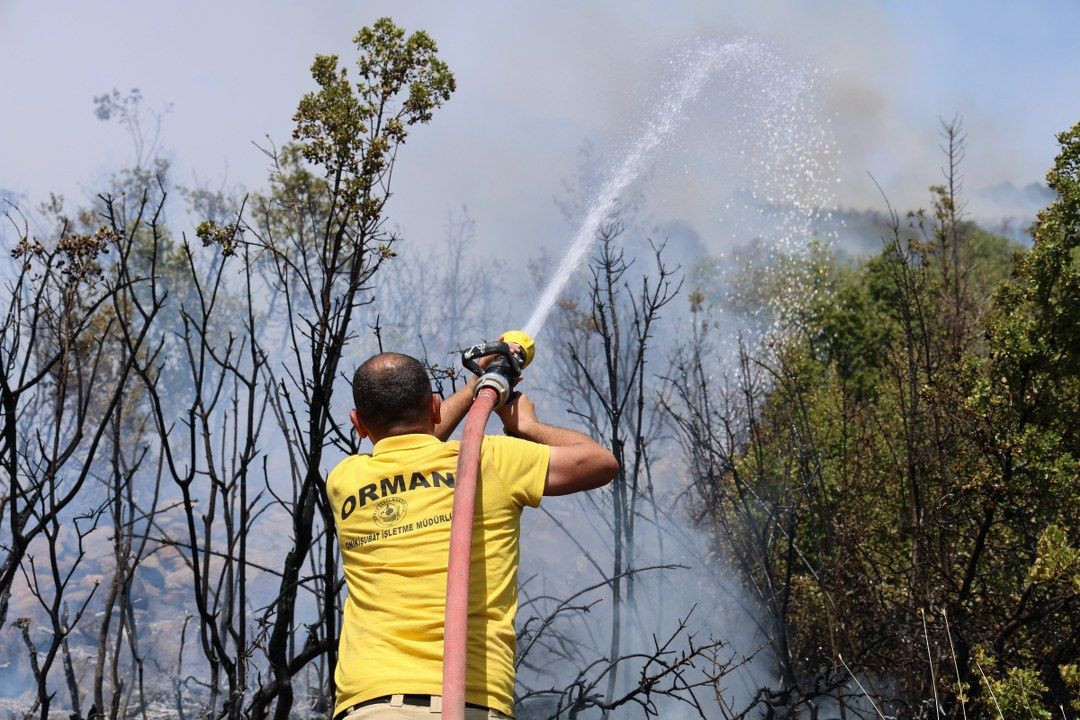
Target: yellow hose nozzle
<point>504,369</point>
<point>527,344</point>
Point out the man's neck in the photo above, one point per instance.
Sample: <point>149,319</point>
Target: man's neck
<point>406,430</point>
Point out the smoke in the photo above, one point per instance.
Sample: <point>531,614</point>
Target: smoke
<point>534,81</point>
<point>682,580</point>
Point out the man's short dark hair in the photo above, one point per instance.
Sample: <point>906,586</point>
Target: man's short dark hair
<point>391,389</point>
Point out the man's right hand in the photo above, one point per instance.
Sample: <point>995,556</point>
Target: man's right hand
<point>518,415</point>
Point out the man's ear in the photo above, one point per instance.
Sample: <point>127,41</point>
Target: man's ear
<point>361,431</point>
<point>436,409</point>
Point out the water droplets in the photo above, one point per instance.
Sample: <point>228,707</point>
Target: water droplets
<point>768,161</point>
<point>700,63</point>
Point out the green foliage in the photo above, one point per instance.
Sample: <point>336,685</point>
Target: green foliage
<point>210,233</point>
<point>1056,560</point>
<point>846,333</point>
<point>913,453</point>
<point>1029,391</point>
<point>1016,695</point>
<point>1070,677</point>
<point>351,130</point>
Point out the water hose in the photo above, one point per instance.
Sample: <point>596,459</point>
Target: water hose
<point>457,570</point>
<point>494,388</point>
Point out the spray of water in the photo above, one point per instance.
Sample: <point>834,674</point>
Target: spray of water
<point>749,161</point>
<point>705,60</point>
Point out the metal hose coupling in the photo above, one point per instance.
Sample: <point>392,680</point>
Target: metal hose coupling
<point>513,351</point>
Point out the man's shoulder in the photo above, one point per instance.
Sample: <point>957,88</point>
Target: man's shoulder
<point>502,449</point>
<point>509,442</point>
<point>350,463</point>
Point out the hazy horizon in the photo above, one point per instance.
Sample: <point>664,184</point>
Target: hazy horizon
<point>534,85</point>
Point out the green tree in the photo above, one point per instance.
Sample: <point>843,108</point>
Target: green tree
<point>1025,407</point>
<point>895,474</point>
<point>318,237</point>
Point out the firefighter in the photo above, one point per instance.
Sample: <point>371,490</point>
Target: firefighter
<point>393,513</point>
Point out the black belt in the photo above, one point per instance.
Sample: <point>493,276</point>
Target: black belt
<point>414,700</point>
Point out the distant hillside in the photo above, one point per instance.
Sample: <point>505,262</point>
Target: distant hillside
<point>1003,209</point>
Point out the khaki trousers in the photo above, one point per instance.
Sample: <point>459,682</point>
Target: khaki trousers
<point>396,709</point>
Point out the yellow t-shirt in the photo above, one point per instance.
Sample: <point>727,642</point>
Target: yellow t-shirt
<point>393,511</point>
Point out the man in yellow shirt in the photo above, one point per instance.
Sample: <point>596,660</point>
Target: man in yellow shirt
<point>393,513</point>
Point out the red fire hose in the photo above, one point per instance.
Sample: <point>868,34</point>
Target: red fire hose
<point>457,571</point>
<point>512,352</point>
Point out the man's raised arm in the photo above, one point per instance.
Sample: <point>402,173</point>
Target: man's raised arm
<point>577,461</point>
<point>454,409</point>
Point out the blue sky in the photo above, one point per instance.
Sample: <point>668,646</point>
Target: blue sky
<point>1008,65</point>
<point>535,81</point>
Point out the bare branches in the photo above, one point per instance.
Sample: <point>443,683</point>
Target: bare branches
<point>604,379</point>
<point>665,676</point>
<point>59,387</point>
<point>52,599</point>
